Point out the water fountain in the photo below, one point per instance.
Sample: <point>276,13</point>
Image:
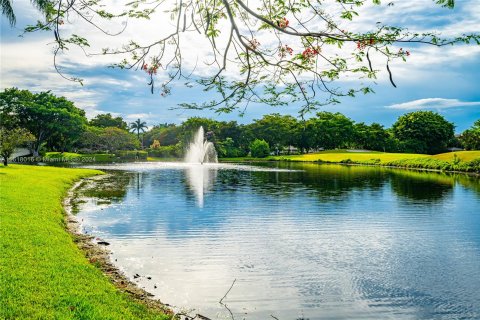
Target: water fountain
<point>201,150</point>
<point>200,177</point>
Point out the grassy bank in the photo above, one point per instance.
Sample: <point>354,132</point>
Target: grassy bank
<point>43,274</point>
<point>118,156</point>
<point>467,161</point>
<point>76,157</point>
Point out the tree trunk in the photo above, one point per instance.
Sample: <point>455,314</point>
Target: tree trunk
<point>5,161</point>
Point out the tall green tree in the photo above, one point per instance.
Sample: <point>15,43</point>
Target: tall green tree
<point>109,139</point>
<point>470,138</point>
<point>138,126</point>
<point>371,137</point>
<point>423,132</point>
<point>277,130</point>
<point>330,130</point>
<point>45,115</point>
<point>107,120</point>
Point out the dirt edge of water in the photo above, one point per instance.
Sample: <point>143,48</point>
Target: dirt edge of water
<point>99,255</point>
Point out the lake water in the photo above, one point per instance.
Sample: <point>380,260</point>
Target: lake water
<point>301,241</point>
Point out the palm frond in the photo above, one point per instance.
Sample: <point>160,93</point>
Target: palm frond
<point>7,11</point>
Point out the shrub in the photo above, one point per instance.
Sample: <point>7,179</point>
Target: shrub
<point>131,155</point>
<point>173,151</point>
<point>155,144</point>
<point>259,149</point>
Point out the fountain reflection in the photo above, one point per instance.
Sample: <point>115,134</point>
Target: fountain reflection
<point>200,180</point>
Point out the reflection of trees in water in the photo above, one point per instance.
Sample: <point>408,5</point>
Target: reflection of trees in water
<point>336,182</point>
<point>112,186</point>
<point>330,182</point>
<point>469,182</point>
<point>425,186</point>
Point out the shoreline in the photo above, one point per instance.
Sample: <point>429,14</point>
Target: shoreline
<point>318,162</point>
<point>99,255</point>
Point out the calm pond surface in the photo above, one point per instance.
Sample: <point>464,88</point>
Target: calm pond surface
<point>303,241</point>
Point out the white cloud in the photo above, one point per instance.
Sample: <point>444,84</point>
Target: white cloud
<point>135,116</point>
<point>433,103</point>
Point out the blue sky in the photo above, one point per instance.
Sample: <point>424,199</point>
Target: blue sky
<point>445,80</point>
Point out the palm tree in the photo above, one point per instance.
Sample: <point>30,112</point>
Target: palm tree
<point>7,9</point>
<point>138,126</point>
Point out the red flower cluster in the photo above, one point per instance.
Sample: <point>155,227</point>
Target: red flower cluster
<point>364,43</point>
<point>283,23</point>
<point>150,70</point>
<point>284,50</point>
<point>309,53</point>
<point>401,52</point>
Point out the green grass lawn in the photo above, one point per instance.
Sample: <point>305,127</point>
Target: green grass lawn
<point>462,155</point>
<point>467,161</point>
<point>342,155</point>
<point>72,157</point>
<point>43,274</point>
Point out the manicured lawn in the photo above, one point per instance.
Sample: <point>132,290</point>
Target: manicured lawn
<point>342,155</point>
<point>467,161</point>
<point>43,274</point>
<point>462,155</point>
<point>71,156</point>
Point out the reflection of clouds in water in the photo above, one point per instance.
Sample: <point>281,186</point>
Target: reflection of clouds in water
<point>200,179</point>
<point>294,247</point>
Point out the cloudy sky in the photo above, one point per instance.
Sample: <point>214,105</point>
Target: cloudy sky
<point>446,80</point>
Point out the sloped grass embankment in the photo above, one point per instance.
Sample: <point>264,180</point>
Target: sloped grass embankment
<point>466,161</point>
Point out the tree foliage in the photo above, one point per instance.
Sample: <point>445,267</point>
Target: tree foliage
<point>423,132</point>
<point>330,131</point>
<point>259,149</point>
<point>107,139</point>
<point>11,139</point>
<point>166,135</point>
<point>138,126</point>
<point>50,119</point>
<point>107,120</point>
<point>277,130</point>
<point>270,52</point>
<point>470,138</point>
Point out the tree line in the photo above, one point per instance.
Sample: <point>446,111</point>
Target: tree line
<point>45,122</point>
<point>415,132</point>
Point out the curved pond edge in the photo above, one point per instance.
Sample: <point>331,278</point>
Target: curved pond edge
<point>99,255</point>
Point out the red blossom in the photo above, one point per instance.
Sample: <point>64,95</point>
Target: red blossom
<point>309,52</point>
<point>283,23</point>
